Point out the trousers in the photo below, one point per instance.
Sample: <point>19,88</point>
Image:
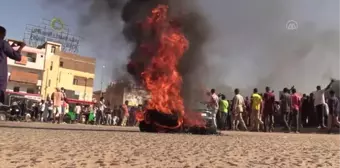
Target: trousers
<point>256,119</point>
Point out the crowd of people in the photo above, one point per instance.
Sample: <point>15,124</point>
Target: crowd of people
<point>263,112</point>
<point>56,109</point>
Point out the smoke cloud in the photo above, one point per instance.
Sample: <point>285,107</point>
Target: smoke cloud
<point>242,44</point>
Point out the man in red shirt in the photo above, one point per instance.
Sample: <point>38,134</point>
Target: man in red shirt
<point>296,103</point>
<point>268,109</point>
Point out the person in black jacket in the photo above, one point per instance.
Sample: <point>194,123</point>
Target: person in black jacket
<point>7,50</point>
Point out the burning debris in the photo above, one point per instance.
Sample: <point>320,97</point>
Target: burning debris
<point>155,63</point>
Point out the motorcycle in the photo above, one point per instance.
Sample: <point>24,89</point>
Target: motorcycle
<point>4,112</point>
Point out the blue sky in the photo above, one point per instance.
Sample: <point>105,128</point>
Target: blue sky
<point>15,14</point>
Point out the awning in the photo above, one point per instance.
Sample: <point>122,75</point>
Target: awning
<point>24,77</point>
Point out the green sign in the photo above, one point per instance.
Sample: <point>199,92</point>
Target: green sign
<point>57,24</point>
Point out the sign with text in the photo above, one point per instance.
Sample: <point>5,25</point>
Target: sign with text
<point>52,30</point>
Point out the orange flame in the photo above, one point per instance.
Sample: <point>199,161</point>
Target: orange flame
<point>161,77</point>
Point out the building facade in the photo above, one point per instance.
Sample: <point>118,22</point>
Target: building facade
<point>26,76</point>
<point>117,93</point>
<point>73,72</point>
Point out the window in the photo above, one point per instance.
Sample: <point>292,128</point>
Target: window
<point>51,66</point>
<point>49,82</point>
<point>31,57</point>
<point>75,81</point>
<point>61,63</point>
<point>30,90</point>
<point>41,56</point>
<point>16,89</point>
<point>53,49</point>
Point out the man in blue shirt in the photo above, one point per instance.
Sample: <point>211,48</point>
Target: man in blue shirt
<point>6,50</point>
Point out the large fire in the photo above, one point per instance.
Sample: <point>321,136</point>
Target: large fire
<point>160,76</point>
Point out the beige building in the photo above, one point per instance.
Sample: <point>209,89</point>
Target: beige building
<point>118,93</point>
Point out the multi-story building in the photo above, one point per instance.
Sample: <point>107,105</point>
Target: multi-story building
<point>73,72</point>
<point>26,76</point>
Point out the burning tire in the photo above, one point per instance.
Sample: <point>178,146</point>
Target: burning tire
<point>155,121</point>
<point>144,127</point>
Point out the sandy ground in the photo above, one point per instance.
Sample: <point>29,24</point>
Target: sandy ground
<point>100,146</point>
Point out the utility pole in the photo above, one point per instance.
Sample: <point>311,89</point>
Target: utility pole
<point>101,81</point>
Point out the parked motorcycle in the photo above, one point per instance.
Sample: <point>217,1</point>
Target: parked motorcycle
<point>4,112</point>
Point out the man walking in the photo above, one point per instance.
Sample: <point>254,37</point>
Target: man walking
<point>319,103</point>
<point>333,105</point>
<point>268,109</point>
<point>125,113</point>
<point>256,102</point>
<point>6,50</point>
<point>57,98</point>
<point>296,103</point>
<point>286,105</point>
<point>238,109</point>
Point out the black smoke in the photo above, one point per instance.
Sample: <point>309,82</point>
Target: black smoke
<point>241,43</point>
<point>193,26</point>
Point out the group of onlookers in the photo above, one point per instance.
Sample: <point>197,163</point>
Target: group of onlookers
<point>56,109</point>
<point>264,112</point>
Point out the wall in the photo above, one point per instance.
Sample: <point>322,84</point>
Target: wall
<point>23,87</point>
<point>65,79</point>
<point>50,75</point>
<point>77,62</point>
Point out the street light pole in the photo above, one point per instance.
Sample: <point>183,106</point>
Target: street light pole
<point>101,81</point>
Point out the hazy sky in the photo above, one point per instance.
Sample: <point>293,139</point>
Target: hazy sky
<point>250,34</point>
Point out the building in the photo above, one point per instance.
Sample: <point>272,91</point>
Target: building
<point>118,93</point>
<point>97,95</point>
<point>26,76</point>
<point>73,72</point>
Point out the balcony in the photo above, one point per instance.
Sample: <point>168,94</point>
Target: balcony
<point>32,58</point>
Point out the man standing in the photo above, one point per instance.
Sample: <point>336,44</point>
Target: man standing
<point>319,103</point>
<point>57,98</point>
<point>100,112</point>
<point>125,113</point>
<point>247,112</point>
<point>63,102</point>
<point>268,110</point>
<point>224,105</point>
<point>333,105</point>
<point>6,51</point>
<point>213,104</point>
<point>296,103</point>
<point>256,102</point>
<point>312,118</point>
<point>286,105</point>
<point>238,109</point>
